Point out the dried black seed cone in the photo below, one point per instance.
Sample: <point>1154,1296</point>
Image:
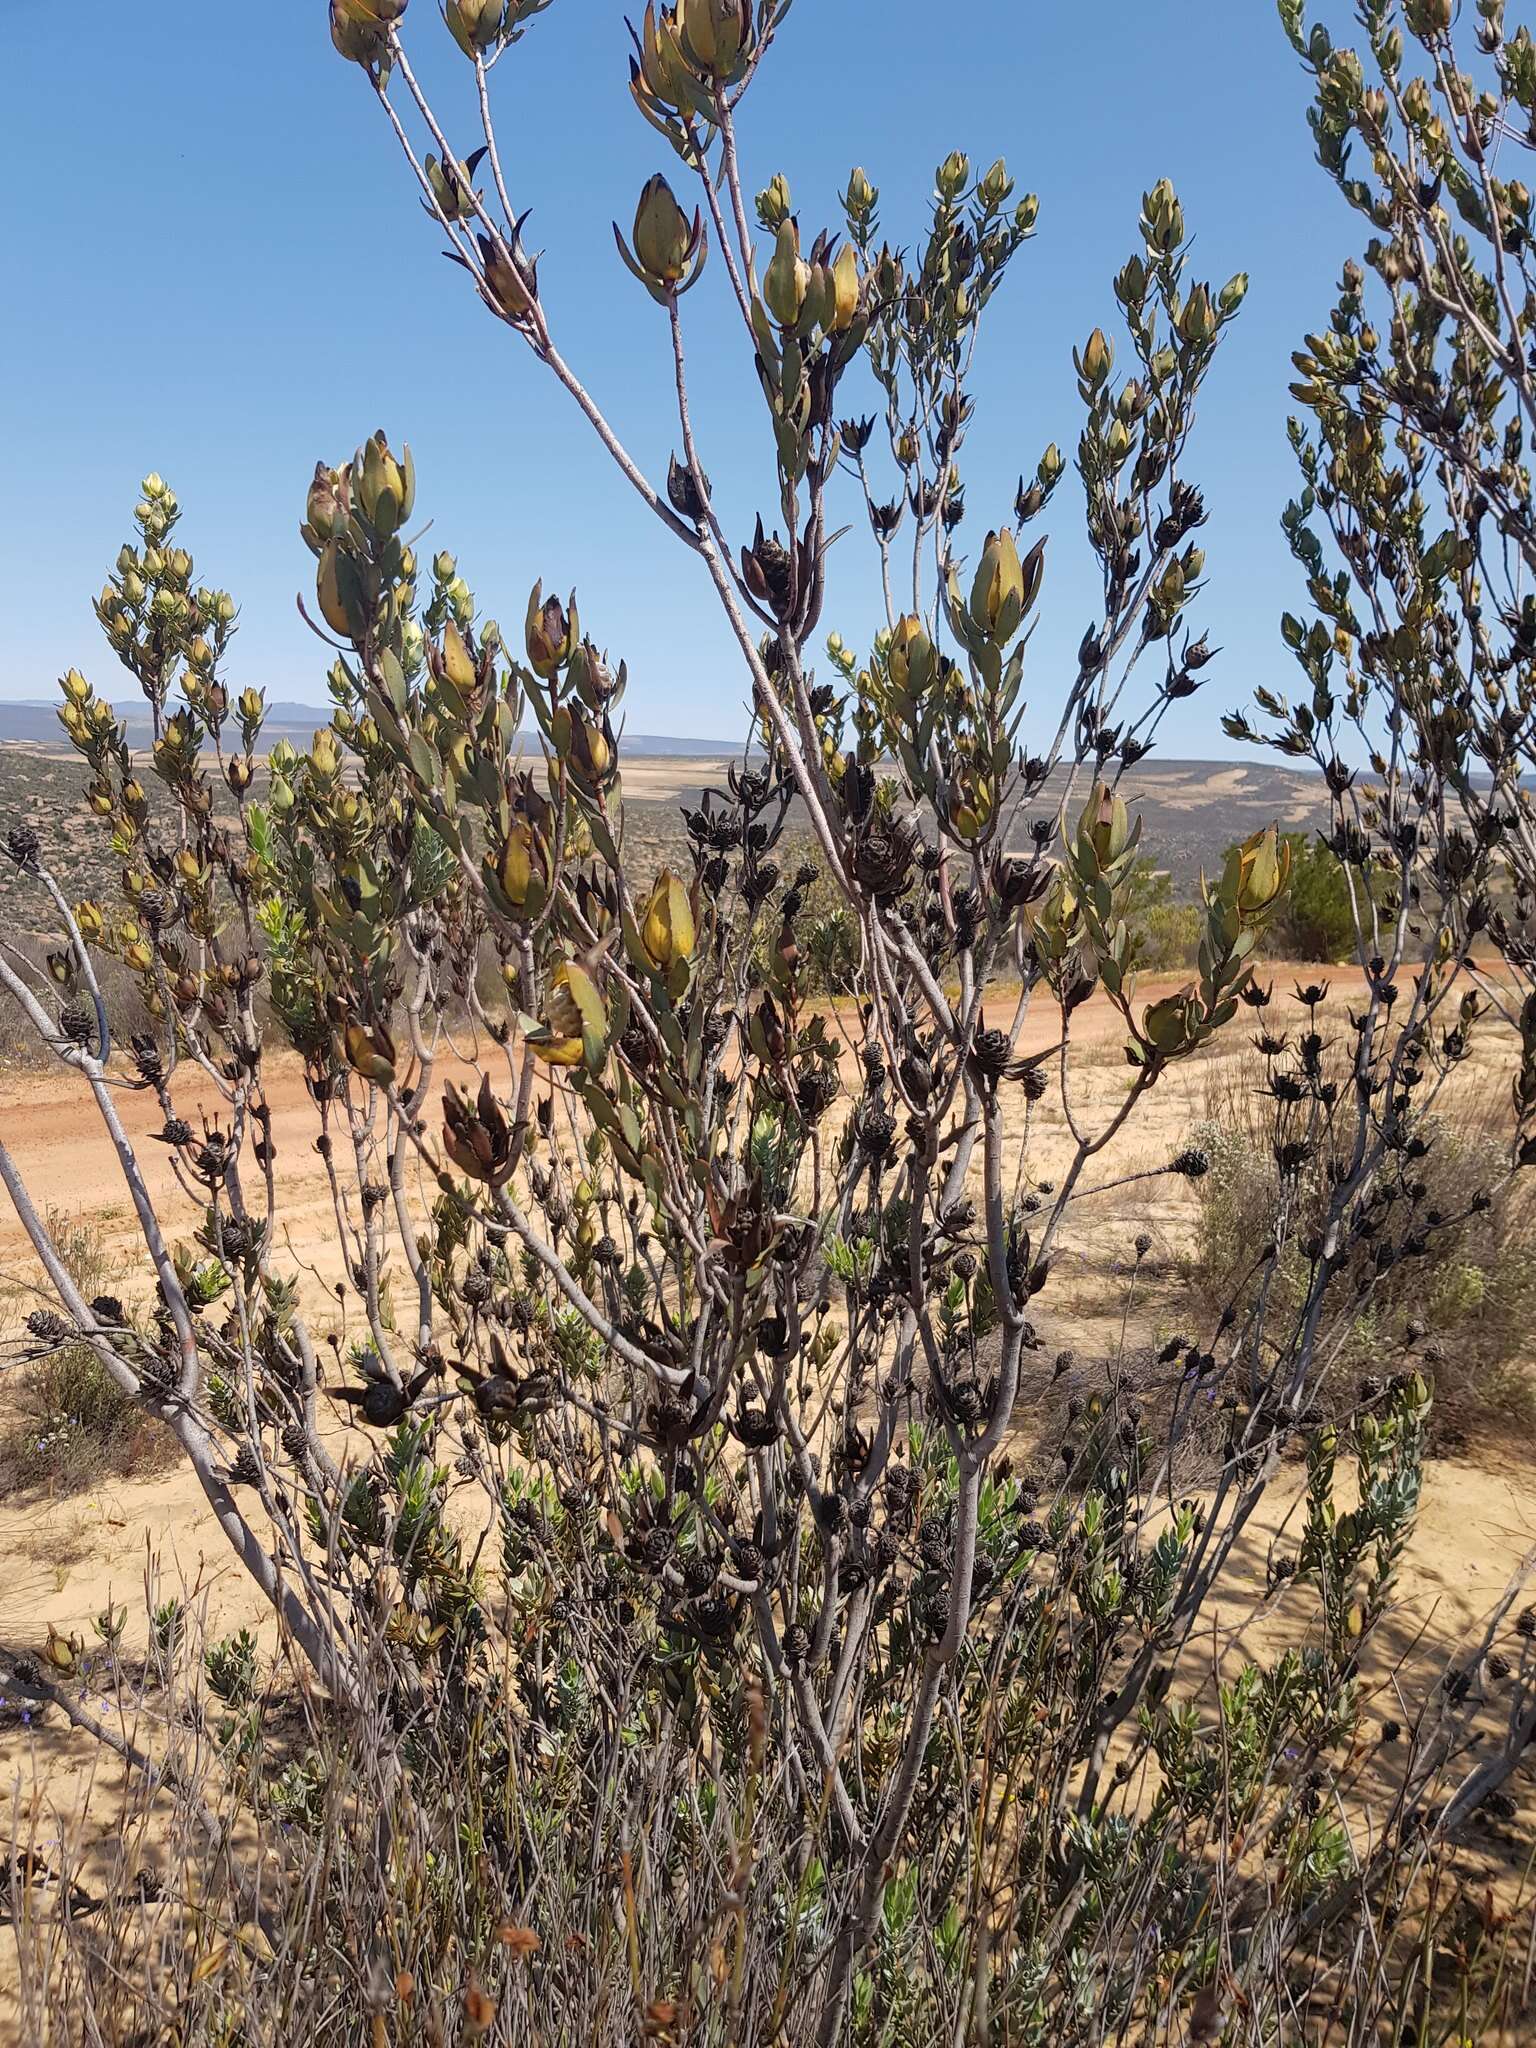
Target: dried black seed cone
<point>22,844</point>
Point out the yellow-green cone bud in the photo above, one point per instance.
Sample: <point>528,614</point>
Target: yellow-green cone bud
<point>514,871</point>
<point>1168,1026</point>
<point>360,42</point>
<point>1258,872</point>
<point>996,187</point>
<point>384,485</point>
<point>859,199</point>
<point>845,289</point>
<point>1197,321</point>
<point>787,277</point>
<point>1004,588</point>
<point>1095,360</point>
<point>1104,827</point>
<point>713,34</point>
<point>664,239</point>
<point>550,633</point>
<point>667,927</point>
<point>911,659</point>
<point>953,174</point>
<point>774,205</point>
<point>475,24</point>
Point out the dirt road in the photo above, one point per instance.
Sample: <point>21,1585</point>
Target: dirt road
<point>54,1132</point>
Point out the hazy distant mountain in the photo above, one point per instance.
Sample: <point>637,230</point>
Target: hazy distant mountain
<point>34,720</point>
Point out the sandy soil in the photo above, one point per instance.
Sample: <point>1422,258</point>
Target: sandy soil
<point>64,1552</point>
<point>67,1560</point>
<point>54,1133</point>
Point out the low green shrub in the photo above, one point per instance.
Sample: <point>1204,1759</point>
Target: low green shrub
<point>1317,919</point>
<point>66,1423</point>
<point>1165,934</point>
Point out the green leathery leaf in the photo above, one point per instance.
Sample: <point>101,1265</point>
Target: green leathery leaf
<point>602,838</point>
<point>423,762</point>
<point>394,682</point>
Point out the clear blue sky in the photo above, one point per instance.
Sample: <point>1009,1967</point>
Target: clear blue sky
<point>217,268</point>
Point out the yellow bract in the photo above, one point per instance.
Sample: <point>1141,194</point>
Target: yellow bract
<point>504,281</point>
<point>997,594</point>
<point>1104,831</point>
<point>714,33</point>
<point>1258,873</point>
<point>516,866</point>
<point>576,1025</point>
<point>370,1051</point>
<point>663,237</point>
<point>667,928</point>
<point>1167,1026</point>
<point>457,665</point>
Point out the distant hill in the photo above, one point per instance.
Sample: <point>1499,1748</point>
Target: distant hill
<point>34,721</point>
<point>1190,810</point>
